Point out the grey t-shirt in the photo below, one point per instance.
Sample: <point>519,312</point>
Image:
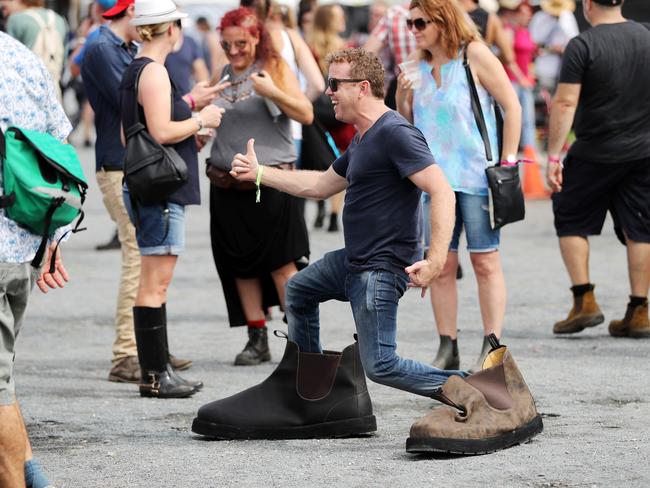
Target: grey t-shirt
<point>249,115</point>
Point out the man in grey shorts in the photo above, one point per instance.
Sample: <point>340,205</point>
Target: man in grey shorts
<point>27,100</point>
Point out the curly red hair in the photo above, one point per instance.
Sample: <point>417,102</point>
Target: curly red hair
<point>265,52</point>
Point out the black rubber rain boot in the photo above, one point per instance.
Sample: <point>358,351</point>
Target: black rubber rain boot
<point>447,356</point>
<point>485,350</point>
<point>256,350</point>
<point>197,385</point>
<point>334,223</point>
<point>320,216</point>
<point>308,395</point>
<point>152,354</point>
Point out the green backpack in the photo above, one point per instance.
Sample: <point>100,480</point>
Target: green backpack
<point>44,185</point>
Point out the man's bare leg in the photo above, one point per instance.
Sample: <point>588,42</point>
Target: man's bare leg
<point>13,446</point>
<point>575,253</point>
<point>638,262</point>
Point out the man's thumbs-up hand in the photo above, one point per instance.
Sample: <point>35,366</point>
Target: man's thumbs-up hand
<point>244,166</point>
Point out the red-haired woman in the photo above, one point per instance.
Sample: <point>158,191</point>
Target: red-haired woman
<point>255,245</point>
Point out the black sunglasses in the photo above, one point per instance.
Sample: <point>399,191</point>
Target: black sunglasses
<point>179,24</point>
<point>333,83</point>
<point>419,23</point>
<point>240,44</point>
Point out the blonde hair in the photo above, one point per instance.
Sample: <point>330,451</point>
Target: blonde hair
<point>456,31</point>
<point>284,13</point>
<point>148,32</point>
<point>324,38</point>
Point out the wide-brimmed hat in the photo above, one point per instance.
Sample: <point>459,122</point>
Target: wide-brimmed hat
<point>510,4</point>
<point>150,12</point>
<point>556,7</point>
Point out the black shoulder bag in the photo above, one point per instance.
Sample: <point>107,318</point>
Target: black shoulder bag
<point>152,171</point>
<point>506,197</point>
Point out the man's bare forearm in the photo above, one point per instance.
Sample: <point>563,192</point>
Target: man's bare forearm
<point>301,183</point>
<point>442,219</point>
<point>560,123</point>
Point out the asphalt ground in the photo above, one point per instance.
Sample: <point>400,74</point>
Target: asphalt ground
<point>592,390</point>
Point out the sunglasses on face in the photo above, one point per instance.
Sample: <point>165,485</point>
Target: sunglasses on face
<point>179,24</point>
<point>419,23</point>
<point>239,45</point>
<point>333,83</point>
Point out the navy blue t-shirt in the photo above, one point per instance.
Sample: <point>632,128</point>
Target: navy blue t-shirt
<point>382,216</point>
<point>179,64</point>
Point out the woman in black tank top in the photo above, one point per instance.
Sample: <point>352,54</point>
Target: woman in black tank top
<point>159,228</point>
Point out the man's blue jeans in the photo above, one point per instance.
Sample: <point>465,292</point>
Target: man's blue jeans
<point>373,296</point>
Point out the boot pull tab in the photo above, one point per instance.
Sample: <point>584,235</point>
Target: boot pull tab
<point>281,334</point>
<point>494,342</point>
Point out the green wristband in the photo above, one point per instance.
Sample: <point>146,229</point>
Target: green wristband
<point>258,182</point>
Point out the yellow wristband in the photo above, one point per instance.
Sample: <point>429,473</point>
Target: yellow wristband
<point>258,182</point>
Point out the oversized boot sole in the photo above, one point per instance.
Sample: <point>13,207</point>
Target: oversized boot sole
<point>472,447</point>
<point>580,324</point>
<point>340,428</point>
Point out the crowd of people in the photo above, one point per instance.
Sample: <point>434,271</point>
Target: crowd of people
<point>380,117</point>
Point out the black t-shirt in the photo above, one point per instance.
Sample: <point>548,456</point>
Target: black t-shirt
<point>612,63</point>
<point>382,216</point>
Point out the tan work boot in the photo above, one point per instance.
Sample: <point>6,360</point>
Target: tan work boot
<point>585,313</point>
<point>126,370</point>
<point>635,323</point>
<point>484,412</point>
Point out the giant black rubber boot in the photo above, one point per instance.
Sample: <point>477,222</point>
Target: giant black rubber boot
<point>308,395</point>
<point>150,336</point>
<point>197,385</point>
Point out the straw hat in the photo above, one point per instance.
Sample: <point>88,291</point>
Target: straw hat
<point>150,12</point>
<point>556,7</point>
<point>510,4</point>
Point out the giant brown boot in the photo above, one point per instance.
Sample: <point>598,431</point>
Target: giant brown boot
<point>635,323</point>
<point>308,395</point>
<point>585,313</point>
<point>484,412</point>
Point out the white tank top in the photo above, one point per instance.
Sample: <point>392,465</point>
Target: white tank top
<point>289,55</point>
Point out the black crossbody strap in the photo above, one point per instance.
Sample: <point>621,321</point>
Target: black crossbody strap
<point>40,253</point>
<point>476,107</point>
<point>137,85</point>
<point>478,112</point>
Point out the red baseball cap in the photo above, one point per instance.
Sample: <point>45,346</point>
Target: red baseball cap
<point>119,7</point>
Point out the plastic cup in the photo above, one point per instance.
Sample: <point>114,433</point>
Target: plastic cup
<point>412,73</point>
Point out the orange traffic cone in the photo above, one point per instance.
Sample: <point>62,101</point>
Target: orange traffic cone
<point>533,183</point>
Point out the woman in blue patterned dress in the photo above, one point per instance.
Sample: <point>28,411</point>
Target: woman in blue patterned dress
<point>439,105</point>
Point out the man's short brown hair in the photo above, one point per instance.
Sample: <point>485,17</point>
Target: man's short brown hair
<point>364,65</point>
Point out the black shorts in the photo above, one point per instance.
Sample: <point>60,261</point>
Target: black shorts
<point>589,190</point>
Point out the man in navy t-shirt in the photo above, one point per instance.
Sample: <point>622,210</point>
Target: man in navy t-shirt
<point>384,171</point>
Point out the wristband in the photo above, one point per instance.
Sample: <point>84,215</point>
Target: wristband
<point>192,101</point>
<point>554,160</point>
<point>258,182</point>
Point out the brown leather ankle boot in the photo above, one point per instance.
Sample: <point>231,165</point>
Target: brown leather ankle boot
<point>484,412</point>
<point>585,313</point>
<point>635,323</point>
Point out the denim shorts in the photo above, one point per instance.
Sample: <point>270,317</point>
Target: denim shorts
<point>159,229</point>
<point>471,213</point>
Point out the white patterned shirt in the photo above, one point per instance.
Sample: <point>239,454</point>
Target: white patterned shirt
<point>27,100</point>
